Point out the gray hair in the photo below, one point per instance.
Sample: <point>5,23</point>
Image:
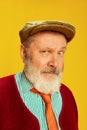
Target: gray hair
<point>28,41</point>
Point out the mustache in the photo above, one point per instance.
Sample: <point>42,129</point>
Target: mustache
<point>50,70</point>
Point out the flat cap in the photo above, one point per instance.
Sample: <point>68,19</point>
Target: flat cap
<point>32,28</point>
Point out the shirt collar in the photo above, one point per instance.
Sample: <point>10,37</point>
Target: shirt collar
<point>26,85</point>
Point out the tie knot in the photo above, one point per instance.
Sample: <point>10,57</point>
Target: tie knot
<point>45,97</point>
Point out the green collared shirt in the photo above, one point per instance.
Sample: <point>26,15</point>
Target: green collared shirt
<point>35,103</point>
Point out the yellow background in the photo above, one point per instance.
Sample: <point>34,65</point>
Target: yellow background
<point>15,13</point>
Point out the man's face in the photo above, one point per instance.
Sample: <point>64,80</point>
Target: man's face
<point>45,59</point>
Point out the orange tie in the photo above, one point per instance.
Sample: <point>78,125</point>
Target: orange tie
<point>51,121</point>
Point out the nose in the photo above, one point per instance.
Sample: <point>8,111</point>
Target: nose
<point>53,62</point>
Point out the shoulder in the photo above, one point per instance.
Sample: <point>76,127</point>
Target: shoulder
<point>67,97</point>
<point>69,112</point>
<point>6,80</point>
<point>65,91</point>
<point>6,84</point>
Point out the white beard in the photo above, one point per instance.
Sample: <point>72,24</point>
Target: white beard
<point>38,82</point>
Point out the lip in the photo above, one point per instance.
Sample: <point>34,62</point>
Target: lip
<point>50,73</point>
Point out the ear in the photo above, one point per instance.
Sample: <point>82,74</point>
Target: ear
<point>23,52</point>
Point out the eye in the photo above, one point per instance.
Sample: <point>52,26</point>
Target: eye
<point>44,51</point>
<point>61,53</point>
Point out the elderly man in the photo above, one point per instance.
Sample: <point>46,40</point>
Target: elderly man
<point>35,99</point>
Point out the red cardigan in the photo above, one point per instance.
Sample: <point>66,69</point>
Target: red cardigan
<point>14,115</point>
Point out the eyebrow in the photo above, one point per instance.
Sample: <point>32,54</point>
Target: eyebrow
<point>64,47</point>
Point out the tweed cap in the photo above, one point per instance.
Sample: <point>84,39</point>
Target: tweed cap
<point>32,28</point>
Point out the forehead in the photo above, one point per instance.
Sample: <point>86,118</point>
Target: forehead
<point>49,39</point>
<point>43,33</point>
